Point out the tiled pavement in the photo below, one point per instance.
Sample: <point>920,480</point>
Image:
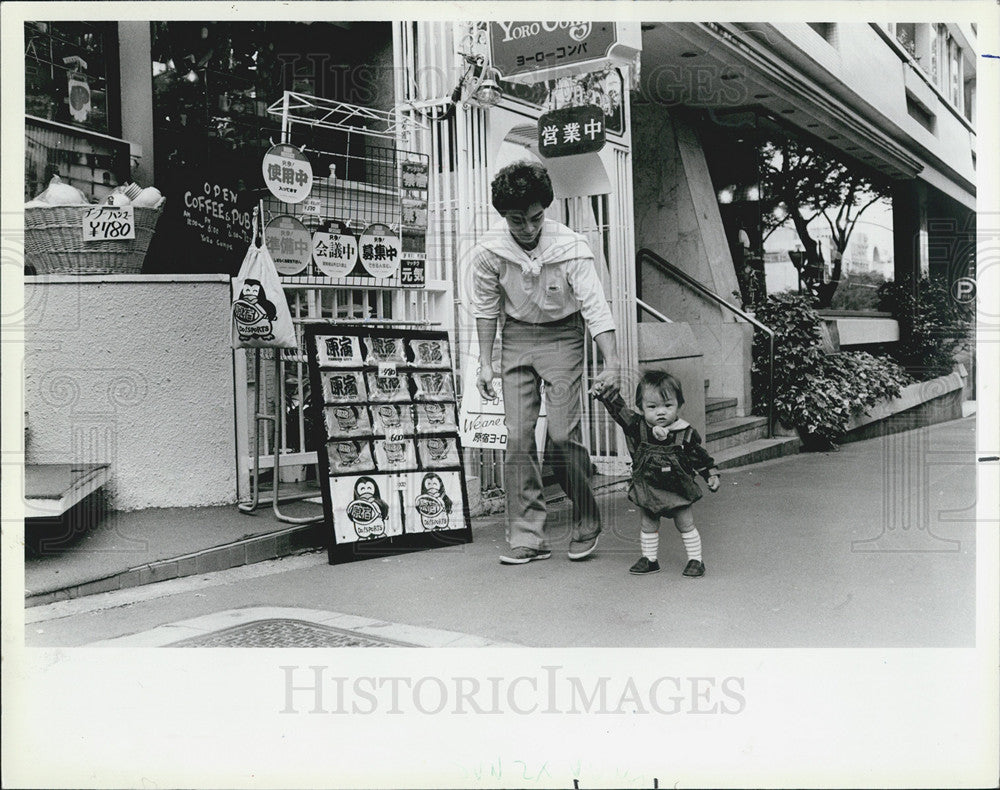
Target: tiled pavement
<point>293,627</point>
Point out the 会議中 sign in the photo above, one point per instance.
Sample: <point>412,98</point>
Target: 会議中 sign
<point>523,47</point>
<point>335,251</point>
<point>571,130</point>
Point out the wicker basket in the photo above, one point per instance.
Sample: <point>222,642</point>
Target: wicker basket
<point>53,242</point>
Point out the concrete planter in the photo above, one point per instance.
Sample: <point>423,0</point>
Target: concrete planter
<point>918,404</point>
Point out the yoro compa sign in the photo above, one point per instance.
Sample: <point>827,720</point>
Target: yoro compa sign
<point>539,51</point>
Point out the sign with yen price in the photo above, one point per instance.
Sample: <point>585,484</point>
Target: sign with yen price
<point>571,130</point>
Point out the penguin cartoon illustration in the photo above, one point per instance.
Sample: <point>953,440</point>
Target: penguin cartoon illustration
<point>368,511</point>
<point>433,504</point>
<point>253,312</point>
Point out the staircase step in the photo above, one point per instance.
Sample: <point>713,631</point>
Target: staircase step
<point>719,409</point>
<point>757,451</point>
<point>734,431</point>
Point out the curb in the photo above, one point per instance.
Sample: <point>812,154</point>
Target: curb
<point>247,551</point>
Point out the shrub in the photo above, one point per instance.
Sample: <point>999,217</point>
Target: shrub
<point>815,392</point>
<point>933,326</point>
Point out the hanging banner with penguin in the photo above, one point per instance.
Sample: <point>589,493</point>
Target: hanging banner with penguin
<point>390,456</point>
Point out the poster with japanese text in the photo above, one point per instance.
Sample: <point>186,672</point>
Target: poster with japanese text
<point>390,454</point>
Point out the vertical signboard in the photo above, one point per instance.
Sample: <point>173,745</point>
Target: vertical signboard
<point>390,457</point>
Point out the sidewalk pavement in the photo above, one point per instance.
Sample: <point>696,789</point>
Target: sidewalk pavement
<point>871,545</point>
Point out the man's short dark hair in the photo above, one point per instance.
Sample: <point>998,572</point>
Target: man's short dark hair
<point>662,382</point>
<point>518,186</point>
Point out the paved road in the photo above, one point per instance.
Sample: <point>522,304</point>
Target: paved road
<point>871,546</point>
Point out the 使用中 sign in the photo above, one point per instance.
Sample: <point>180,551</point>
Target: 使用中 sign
<point>287,173</point>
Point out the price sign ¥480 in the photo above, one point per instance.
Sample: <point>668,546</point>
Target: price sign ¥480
<point>103,223</point>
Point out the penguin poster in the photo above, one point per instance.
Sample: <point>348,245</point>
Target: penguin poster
<point>434,502</point>
<point>365,507</point>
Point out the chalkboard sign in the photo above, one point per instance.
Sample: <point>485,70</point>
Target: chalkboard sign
<point>203,228</point>
<point>390,457</point>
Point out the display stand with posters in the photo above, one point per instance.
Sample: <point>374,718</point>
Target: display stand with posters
<point>390,457</point>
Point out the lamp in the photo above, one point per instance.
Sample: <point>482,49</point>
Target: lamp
<point>479,83</point>
<point>488,93</point>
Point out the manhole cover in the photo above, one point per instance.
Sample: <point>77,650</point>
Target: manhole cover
<point>287,633</point>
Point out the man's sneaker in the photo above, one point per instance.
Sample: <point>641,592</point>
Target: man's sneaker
<point>578,549</point>
<point>645,565</point>
<point>522,555</point>
<point>695,568</point>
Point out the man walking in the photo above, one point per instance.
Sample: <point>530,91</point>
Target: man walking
<point>540,277</point>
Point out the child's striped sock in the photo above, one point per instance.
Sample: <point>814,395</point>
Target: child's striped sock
<point>650,542</point>
<point>692,542</point>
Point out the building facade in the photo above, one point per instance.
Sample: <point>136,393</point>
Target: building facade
<point>688,109</point>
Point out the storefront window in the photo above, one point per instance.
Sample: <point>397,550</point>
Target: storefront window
<point>212,85</point>
<point>906,35</point>
<point>71,74</point>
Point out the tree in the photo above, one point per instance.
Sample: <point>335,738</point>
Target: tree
<point>800,182</point>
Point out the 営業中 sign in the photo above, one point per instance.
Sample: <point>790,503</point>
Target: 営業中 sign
<point>571,130</point>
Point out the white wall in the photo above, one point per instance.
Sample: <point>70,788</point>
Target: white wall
<point>135,371</point>
<point>861,64</point>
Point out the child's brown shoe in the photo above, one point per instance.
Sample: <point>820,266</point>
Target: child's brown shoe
<point>695,568</point>
<point>644,566</point>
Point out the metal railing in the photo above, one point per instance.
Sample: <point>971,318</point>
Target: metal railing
<point>664,265</point>
<point>653,312</point>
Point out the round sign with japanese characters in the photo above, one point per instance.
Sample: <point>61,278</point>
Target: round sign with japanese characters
<point>287,173</point>
<point>379,250</point>
<point>289,243</point>
<point>334,250</point>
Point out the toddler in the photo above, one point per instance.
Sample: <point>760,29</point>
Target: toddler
<point>666,453</point>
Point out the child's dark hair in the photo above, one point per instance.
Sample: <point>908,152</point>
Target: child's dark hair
<point>518,186</point>
<point>662,382</point>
